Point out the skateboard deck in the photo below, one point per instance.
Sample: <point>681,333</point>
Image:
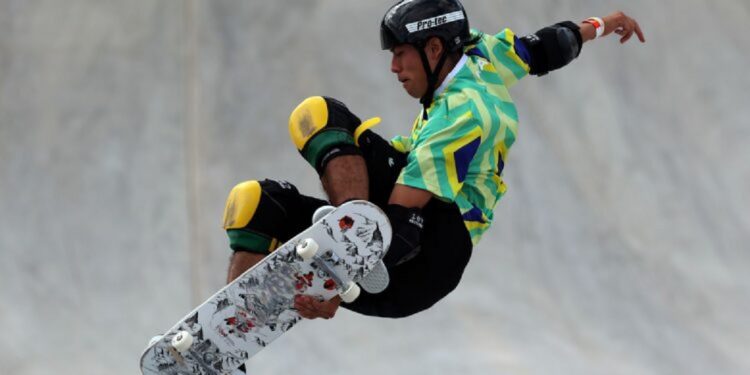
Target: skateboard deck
<point>249,313</point>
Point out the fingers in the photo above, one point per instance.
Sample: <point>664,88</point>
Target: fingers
<point>628,32</point>
<point>624,26</point>
<point>630,29</point>
<point>311,308</point>
<point>626,37</point>
<point>639,32</point>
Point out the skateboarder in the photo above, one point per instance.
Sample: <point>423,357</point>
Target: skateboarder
<point>440,184</point>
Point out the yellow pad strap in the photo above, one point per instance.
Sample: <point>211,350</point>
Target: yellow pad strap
<point>364,126</point>
<point>241,204</point>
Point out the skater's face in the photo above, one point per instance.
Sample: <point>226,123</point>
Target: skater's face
<point>407,65</point>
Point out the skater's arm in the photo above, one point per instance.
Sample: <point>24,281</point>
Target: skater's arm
<point>404,211</point>
<point>555,46</point>
<point>617,22</point>
<point>404,199</point>
<point>408,196</point>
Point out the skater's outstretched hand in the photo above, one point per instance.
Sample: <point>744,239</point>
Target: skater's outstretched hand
<point>618,23</point>
<point>622,25</point>
<point>310,307</point>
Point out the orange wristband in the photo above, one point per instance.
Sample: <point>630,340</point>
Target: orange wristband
<point>598,24</point>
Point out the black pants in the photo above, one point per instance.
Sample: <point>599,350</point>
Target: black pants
<point>416,284</point>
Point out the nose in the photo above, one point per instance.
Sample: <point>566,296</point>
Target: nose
<point>395,67</point>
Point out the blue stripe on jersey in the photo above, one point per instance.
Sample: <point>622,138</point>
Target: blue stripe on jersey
<point>463,157</point>
<point>521,50</point>
<point>474,214</point>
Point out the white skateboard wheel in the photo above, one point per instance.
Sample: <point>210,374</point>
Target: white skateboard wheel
<point>351,293</point>
<point>307,248</point>
<point>182,341</point>
<point>155,339</point>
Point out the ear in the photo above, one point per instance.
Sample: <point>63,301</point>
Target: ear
<point>434,48</point>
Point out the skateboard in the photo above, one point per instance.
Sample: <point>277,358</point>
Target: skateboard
<point>343,247</point>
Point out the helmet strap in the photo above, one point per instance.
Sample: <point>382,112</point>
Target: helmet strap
<point>432,78</point>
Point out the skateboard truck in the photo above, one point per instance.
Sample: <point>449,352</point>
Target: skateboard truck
<point>308,249</point>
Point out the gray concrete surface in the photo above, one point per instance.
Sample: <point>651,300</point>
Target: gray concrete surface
<point>621,247</point>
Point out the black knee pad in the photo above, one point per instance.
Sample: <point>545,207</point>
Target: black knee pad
<point>255,216</point>
<point>323,128</point>
<point>384,164</point>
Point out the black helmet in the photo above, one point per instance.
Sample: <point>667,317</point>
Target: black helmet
<point>416,21</point>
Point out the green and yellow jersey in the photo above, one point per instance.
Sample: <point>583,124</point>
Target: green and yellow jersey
<point>459,152</point>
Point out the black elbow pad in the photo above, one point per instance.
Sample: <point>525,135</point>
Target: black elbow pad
<point>553,47</point>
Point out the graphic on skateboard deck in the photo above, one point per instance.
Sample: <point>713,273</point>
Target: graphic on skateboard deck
<point>325,260</point>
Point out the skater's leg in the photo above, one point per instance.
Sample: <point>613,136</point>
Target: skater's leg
<point>240,262</point>
<point>260,216</point>
<point>325,132</point>
<point>345,178</point>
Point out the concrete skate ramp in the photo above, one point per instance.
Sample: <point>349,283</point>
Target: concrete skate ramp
<point>621,247</point>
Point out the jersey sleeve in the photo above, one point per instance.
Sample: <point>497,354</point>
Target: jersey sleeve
<point>442,153</point>
<point>506,52</point>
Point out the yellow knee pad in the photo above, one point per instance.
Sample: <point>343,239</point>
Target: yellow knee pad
<point>307,120</point>
<point>320,124</point>
<point>241,206</point>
